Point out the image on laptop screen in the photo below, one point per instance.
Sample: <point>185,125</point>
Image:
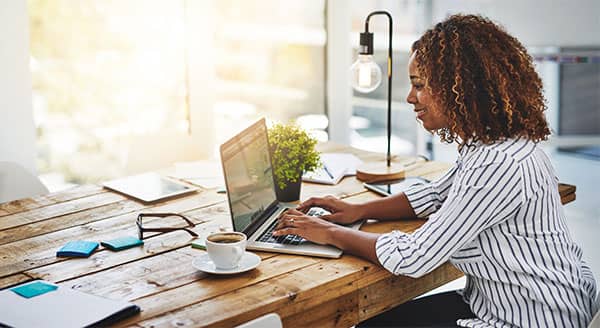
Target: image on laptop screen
<point>248,174</point>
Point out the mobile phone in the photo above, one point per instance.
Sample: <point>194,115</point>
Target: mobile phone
<point>388,188</point>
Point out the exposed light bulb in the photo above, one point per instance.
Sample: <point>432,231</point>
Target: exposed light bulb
<point>365,74</point>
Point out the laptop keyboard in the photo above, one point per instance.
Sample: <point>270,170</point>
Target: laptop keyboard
<point>267,236</point>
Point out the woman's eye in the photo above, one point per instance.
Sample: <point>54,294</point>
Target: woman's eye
<point>418,86</point>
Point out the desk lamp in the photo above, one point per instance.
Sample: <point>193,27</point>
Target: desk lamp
<point>366,77</point>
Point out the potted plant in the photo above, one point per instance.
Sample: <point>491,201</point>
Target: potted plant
<point>292,153</point>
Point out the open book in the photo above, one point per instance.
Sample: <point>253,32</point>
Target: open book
<point>58,306</point>
<point>335,167</point>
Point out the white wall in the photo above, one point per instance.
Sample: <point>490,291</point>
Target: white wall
<point>17,135</point>
<point>535,22</point>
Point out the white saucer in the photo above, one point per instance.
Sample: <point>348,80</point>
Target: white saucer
<point>248,262</point>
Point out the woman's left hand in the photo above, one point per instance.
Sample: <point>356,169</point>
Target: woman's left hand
<point>315,229</point>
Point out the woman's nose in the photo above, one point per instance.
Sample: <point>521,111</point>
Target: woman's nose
<point>410,98</point>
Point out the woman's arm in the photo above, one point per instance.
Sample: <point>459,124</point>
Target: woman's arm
<point>356,242</point>
<point>392,207</point>
<point>426,199</point>
<point>320,231</point>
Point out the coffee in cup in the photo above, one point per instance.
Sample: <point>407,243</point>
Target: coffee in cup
<point>226,249</point>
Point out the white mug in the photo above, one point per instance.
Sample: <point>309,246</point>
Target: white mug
<point>226,249</point>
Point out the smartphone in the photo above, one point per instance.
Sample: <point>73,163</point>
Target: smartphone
<point>388,188</point>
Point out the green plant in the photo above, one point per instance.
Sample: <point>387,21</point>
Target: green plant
<point>292,152</point>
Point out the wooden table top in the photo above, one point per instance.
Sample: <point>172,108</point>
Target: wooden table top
<point>159,277</point>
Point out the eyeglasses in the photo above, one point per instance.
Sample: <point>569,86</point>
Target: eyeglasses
<point>142,229</point>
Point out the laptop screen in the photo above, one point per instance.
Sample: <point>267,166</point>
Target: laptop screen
<point>248,175</point>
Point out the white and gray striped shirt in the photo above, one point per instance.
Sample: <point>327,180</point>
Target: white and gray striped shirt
<point>497,216</point>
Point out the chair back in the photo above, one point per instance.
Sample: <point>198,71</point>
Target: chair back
<point>595,323</point>
<point>271,320</point>
<point>16,183</point>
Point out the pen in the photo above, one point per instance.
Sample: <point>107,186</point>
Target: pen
<point>328,173</point>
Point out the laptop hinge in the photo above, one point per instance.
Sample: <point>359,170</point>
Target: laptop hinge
<point>252,227</point>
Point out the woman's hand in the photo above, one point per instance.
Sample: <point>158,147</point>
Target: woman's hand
<point>315,229</point>
<point>341,211</point>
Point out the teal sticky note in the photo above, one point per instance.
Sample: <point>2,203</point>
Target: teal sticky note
<point>34,289</point>
<point>122,243</point>
<point>77,248</point>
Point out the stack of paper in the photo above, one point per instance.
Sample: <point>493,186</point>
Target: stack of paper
<point>43,304</point>
<point>335,167</point>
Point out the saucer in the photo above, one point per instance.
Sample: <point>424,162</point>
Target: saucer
<point>248,262</point>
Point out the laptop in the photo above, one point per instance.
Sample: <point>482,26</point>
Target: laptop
<point>254,208</point>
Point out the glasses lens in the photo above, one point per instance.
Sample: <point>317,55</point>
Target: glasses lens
<point>161,222</point>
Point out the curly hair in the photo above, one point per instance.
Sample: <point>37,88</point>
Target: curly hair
<point>484,80</point>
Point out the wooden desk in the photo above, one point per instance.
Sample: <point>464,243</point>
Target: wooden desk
<point>159,277</point>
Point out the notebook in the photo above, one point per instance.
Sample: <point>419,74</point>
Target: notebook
<point>335,167</point>
<point>254,208</point>
<point>44,304</point>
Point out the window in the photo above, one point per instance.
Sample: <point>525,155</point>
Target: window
<point>103,71</point>
<point>270,62</point>
<point>106,73</point>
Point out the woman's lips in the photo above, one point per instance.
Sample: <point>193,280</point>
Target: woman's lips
<point>420,112</point>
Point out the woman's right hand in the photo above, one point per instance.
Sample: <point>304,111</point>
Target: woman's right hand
<point>341,212</point>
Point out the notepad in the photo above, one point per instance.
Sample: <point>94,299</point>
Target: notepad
<point>119,244</point>
<point>335,167</point>
<point>77,248</point>
<point>34,289</point>
<point>63,307</point>
<point>199,243</point>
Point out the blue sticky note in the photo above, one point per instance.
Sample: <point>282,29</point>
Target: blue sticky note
<point>77,248</point>
<point>122,243</point>
<point>34,289</point>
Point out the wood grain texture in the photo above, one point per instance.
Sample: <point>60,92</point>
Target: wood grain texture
<point>27,204</point>
<point>304,291</point>
<point>56,210</point>
<point>41,250</point>
<point>383,291</point>
<point>13,280</point>
<point>103,211</point>
<point>287,294</point>
<point>206,287</point>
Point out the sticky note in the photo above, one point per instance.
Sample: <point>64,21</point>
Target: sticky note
<point>77,248</point>
<point>199,243</point>
<point>34,289</point>
<point>122,243</point>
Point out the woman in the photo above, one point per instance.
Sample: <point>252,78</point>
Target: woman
<point>495,215</point>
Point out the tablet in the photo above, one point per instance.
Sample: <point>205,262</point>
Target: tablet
<point>394,187</point>
<point>148,187</point>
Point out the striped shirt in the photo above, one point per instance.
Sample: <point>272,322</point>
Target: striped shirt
<point>496,215</point>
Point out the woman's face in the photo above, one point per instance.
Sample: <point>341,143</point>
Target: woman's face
<point>428,111</point>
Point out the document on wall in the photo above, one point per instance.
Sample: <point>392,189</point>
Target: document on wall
<point>43,304</point>
<point>335,167</point>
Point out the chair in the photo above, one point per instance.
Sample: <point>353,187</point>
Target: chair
<point>16,183</point>
<point>271,320</point>
<point>595,323</point>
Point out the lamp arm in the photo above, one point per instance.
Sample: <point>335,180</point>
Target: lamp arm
<point>389,71</point>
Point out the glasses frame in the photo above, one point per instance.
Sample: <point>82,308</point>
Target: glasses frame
<point>141,229</point>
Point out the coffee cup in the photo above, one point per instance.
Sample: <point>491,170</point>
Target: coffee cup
<point>226,249</point>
